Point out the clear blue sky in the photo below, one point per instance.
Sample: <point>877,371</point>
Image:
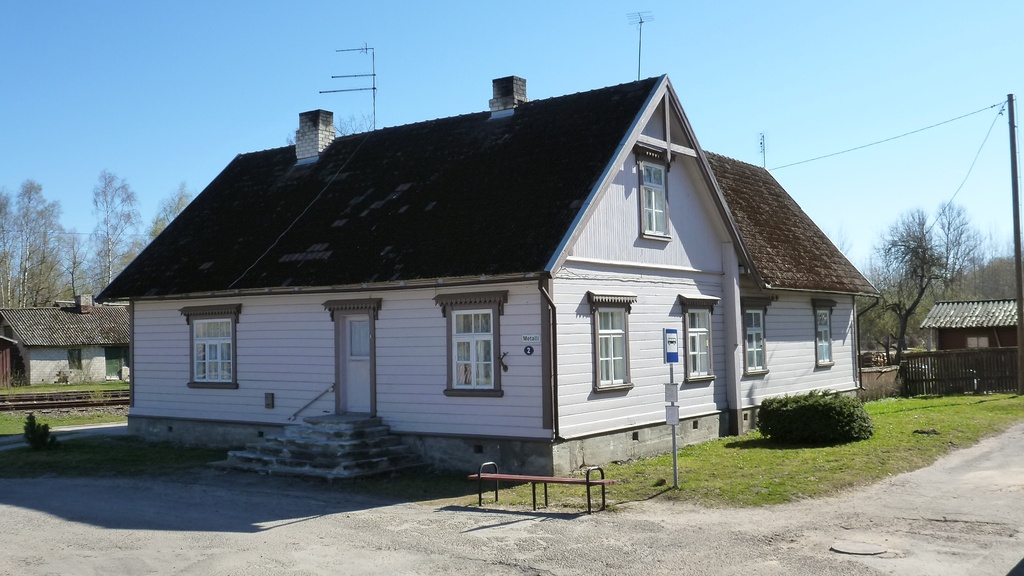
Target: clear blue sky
<point>163,93</point>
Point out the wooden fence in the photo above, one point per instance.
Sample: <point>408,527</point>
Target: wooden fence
<point>975,371</point>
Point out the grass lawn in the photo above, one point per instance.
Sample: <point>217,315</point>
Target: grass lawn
<point>104,456</point>
<point>90,386</point>
<point>737,471</point>
<point>14,422</point>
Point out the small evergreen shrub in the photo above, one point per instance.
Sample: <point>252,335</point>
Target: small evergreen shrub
<point>38,435</point>
<point>819,418</point>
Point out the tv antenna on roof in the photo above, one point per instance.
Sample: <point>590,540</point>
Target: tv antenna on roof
<point>638,19</point>
<point>372,75</point>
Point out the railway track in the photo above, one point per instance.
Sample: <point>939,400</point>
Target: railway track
<point>54,400</point>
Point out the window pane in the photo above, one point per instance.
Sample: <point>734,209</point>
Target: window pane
<point>463,323</point>
<point>484,377</point>
<point>463,373</point>
<point>463,351</point>
<point>483,351</point>
<point>653,175</point>
<point>359,338</point>
<point>482,323</point>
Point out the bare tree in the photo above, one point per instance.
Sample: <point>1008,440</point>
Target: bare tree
<point>169,209</point>
<point>117,220</point>
<point>37,231</point>
<point>916,257</point>
<point>7,250</point>
<point>76,257</point>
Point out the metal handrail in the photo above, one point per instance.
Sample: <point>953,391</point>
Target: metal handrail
<point>310,403</point>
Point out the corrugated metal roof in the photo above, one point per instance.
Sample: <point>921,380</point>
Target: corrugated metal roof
<point>67,327</point>
<point>972,314</point>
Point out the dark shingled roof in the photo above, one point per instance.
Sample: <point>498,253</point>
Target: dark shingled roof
<point>788,249</point>
<point>66,327</point>
<point>972,314</point>
<point>456,197</point>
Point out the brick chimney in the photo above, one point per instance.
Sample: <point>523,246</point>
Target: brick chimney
<point>316,132</point>
<point>83,302</point>
<point>509,92</point>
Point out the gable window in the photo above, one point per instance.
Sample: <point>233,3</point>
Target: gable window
<point>823,331</point>
<point>697,312</point>
<point>473,342</point>
<point>213,343</point>
<point>655,201</point>
<point>755,360</point>
<point>610,319</point>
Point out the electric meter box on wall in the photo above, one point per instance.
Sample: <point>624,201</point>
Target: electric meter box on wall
<point>671,346</point>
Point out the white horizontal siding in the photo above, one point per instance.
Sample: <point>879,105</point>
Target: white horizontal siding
<point>614,233</point>
<point>789,349</point>
<point>285,346</point>
<point>583,411</point>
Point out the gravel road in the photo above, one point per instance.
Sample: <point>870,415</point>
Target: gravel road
<point>964,515</point>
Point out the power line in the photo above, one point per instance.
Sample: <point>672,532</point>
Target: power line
<point>978,153</point>
<point>889,139</point>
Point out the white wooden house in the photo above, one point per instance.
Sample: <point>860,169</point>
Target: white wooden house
<point>494,286</point>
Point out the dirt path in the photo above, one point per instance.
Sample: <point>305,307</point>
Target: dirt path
<point>965,515</point>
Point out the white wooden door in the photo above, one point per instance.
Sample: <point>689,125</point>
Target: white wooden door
<point>355,350</point>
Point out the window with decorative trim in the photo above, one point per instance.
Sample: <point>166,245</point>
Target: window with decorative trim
<point>823,331</point>
<point>212,343</point>
<point>473,342</point>
<point>654,199</point>
<point>755,358</point>
<point>697,312</point>
<point>610,324</point>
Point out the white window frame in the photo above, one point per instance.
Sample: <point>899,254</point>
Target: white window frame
<point>651,193</point>
<point>823,352</point>
<point>197,316</point>
<point>604,304</point>
<point>476,369</point>
<point>696,336</point>
<point>456,306</point>
<point>755,307</point>
<point>612,360</point>
<point>699,361</point>
<point>213,358</point>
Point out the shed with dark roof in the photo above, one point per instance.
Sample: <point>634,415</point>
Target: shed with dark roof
<point>956,325</point>
<point>65,343</point>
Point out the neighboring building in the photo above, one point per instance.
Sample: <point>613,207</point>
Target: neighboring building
<point>79,343</point>
<point>494,286</point>
<point>972,324</point>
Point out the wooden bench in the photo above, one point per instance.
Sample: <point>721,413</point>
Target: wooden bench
<point>481,476</point>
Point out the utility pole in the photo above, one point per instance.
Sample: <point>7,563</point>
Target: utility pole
<point>1016,246</point>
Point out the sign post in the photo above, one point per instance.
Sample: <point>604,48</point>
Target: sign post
<point>672,396</point>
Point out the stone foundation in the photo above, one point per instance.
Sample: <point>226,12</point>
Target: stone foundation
<point>227,435</point>
<point>465,454</point>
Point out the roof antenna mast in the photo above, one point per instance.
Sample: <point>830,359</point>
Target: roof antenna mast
<point>638,19</point>
<point>372,76</point>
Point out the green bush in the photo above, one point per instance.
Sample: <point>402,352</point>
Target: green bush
<point>38,435</point>
<point>818,418</point>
